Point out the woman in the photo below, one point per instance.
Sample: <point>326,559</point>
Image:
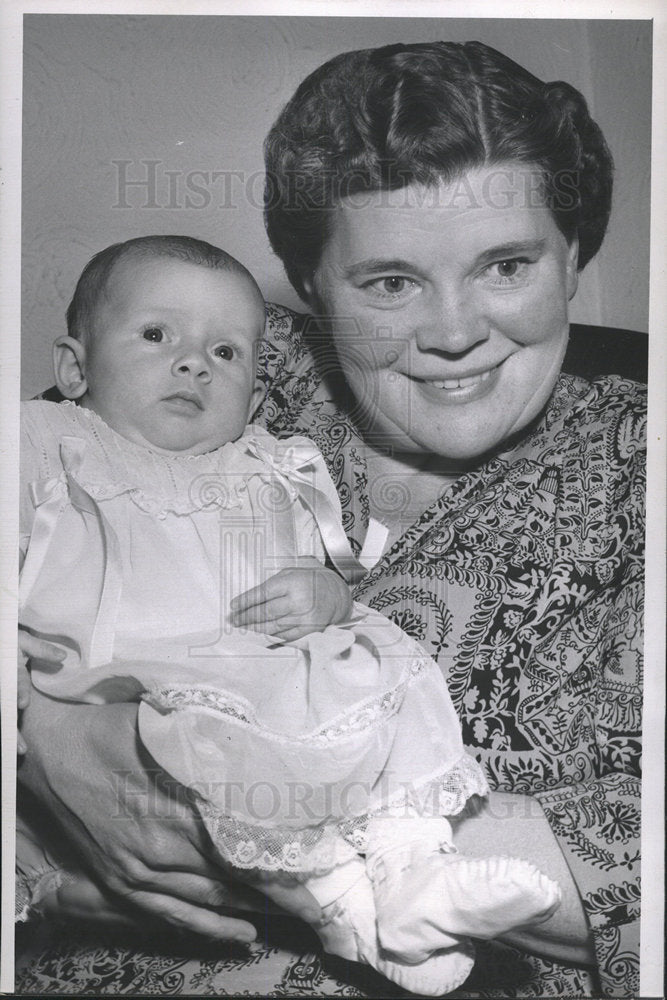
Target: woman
<point>433,204</point>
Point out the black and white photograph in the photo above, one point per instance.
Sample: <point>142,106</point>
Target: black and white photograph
<point>327,343</point>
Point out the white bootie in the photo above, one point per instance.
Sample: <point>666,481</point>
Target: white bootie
<point>348,929</point>
<point>427,896</point>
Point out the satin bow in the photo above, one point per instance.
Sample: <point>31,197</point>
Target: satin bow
<point>302,465</point>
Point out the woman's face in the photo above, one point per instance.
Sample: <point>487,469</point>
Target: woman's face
<point>451,308</point>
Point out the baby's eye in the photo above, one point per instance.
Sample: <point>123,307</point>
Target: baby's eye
<point>224,351</point>
<point>153,334</point>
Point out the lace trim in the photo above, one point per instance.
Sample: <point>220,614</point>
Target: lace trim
<point>213,492</point>
<point>316,850</point>
<point>215,701</point>
<point>158,484</point>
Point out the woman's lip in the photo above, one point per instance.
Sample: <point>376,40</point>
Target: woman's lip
<point>465,389</point>
<point>460,381</point>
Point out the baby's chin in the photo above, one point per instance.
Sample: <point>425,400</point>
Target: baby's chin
<point>176,448</point>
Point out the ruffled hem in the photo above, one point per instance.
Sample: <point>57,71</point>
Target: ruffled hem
<point>316,850</point>
<point>366,715</point>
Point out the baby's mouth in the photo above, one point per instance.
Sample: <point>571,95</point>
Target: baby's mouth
<point>186,400</point>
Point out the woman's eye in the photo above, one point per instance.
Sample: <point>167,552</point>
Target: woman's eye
<point>153,334</point>
<point>225,352</point>
<point>506,270</point>
<point>392,287</point>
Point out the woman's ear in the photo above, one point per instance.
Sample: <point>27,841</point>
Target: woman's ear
<point>69,365</point>
<point>310,292</point>
<point>572,268</point>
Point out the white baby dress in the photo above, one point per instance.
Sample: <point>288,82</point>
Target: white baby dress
<point>130,559</point>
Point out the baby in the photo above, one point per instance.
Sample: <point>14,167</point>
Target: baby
<point>176,557</point>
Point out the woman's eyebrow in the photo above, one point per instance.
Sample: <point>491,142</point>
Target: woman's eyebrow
<point>514,249</point>
<point>379,265</point>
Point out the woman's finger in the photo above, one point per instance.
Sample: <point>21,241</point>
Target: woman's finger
<point>227,891</point>
<point>187,917</point>
<point>295,899</point>
<point>22,687</point>
<point>39,649</point>
<point>191,887</point>
<point>81,899</point>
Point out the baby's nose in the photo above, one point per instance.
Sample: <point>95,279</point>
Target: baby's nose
<point>193,364</point>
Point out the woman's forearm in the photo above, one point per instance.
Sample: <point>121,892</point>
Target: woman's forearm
<point>515,825</point>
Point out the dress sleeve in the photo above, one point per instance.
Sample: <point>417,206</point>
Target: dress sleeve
<point>597,823</point>
<point>31,451</point>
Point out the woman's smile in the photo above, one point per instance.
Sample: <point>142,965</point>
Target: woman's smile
<point>459,389</point>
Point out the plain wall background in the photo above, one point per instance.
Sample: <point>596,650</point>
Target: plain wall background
<point>194,95</point>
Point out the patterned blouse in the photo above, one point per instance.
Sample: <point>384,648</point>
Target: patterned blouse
<point>524,580</point>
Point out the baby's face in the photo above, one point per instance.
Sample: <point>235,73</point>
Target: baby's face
<point>171,362</point>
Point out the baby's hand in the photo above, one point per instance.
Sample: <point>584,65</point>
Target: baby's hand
<point>29,647</point>
<point>294,602</point>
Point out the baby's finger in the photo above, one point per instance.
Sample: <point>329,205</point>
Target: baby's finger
<point>21,745</point>
<point>249,599</point>
<point>270,611</point>
<point>275,586</point>
<point>291,633</point>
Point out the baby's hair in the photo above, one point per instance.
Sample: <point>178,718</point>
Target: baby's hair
<point>92,284</point>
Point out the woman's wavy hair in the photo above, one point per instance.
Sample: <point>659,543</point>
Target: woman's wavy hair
<point>384,118</point>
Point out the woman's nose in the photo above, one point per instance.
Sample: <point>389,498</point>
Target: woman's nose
<point>193,363</point>
<point>454,324</point>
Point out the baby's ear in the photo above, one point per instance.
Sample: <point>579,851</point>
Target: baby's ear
<point>69,365</point>
<point>256,398</point>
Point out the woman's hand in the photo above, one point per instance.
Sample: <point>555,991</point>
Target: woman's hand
<point>80,898</point>
<point>30,647</point>
<point>515,825</point>
<point>295,602</point>
<point>129,825</point>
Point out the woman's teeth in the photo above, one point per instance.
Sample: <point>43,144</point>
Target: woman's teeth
<point>460,383</point>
